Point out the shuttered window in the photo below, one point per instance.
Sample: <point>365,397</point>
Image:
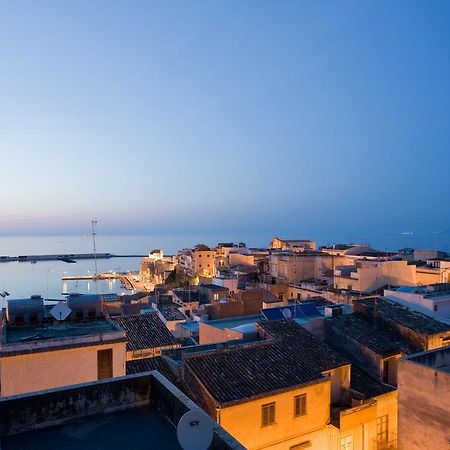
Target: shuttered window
<point>104,363</point>
<point>299,405</point>
<point>268,414</point>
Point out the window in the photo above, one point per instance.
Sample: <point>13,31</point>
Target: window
<point>346,443</point>
<point>300,405</point>
<point>382,430</point>
<point>104,363</point>
<point>268,414</point>
<point>280,296</point>
<point>299,296</point>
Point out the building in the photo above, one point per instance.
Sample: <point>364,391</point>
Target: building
<point>421,331</point>
<point>204,262</point>
<point>290,391</point>
<point>137,411</point>
<point>213,292</point>
<point>295,245</point>
<point>432,300</point>
<point>155,268</point>
<point>372,348</point>
<point>370,275</point>
<point>38,352</point>
<point>247,302</point>
<point>292,267</point>
<point>424,400</point>
<point>146,335</point>
<point>434,271</point>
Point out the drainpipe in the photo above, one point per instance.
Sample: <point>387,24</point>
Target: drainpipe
<point>218,414</point>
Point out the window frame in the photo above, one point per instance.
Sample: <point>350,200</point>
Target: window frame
<point>268,414</point>
<point>300,405</point>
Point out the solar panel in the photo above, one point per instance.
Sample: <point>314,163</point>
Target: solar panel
<point>309,310</point>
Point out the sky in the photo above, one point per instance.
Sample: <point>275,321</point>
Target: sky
<point>181,116</point>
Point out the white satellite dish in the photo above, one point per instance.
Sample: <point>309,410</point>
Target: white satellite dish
<point>195,430</point>
<point>287,313</point>
<point>60,311</point>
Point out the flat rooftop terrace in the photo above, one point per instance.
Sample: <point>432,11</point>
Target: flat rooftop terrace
<point>138,428</point>
<point>58,330</point>
<point>233,322</point>
<point>134,412</point>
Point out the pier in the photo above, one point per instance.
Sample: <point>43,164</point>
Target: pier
<point>65,257</point>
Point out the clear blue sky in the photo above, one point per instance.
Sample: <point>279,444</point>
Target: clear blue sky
<point>217,115</point>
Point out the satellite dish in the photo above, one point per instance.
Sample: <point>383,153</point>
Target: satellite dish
<point>195,430</point>
<point>287,313</point>
<point>60,311</point>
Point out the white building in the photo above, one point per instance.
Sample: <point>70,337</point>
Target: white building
<point>433,300</point>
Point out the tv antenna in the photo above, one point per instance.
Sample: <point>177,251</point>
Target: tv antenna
<point>195,430</point>
<point>60,311</point>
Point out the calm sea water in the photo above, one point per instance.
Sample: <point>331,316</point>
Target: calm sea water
<point>23,279</point>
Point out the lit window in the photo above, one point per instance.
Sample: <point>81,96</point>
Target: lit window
<point>300,405</point>
<point>268,414</point>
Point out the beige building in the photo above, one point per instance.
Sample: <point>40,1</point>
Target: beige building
<point>204,261</point>
<point>434,271</point>
<point>296,245</point>
<point>290,391</point>
<point>291,267</point>
<point>38,352</point>
<point>370,275</point>
<point>424,401</point>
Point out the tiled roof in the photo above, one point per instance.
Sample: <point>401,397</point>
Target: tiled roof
<point>145,365</point>
<point>290,357</point>
<point>145,331</point>
<point>170,311</point>
<point>384,341</point>
<point>366,384</point>
<point>187,295</point>
<point>394,312</point>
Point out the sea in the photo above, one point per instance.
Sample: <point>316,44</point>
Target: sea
<point>22,279</point>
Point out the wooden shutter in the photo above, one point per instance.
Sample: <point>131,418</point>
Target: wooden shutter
<point>104,363</point>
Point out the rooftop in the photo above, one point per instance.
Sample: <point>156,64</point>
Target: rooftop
<point>233,321</point>
<point>170,311</point>
<point>298,311</point>
<point>212,287</point>
<point>366,384</point>
<point>438,359</point>
<point>145,331</point>
<point>392,311</point>
<point>148,364</point>
<point>385,342</point>
<point>58,330</point>
<point>137,411</point>
<point>94,433</point>
<point>290,357</point>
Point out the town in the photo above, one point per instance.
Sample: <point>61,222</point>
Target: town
<point>293,346</point>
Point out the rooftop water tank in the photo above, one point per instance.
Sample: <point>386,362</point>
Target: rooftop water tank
<point>84,306</point>
<point>25,311</point>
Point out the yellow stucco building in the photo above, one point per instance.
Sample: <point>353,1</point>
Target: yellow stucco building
<point>38,352</point>
<point>292,392</point>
